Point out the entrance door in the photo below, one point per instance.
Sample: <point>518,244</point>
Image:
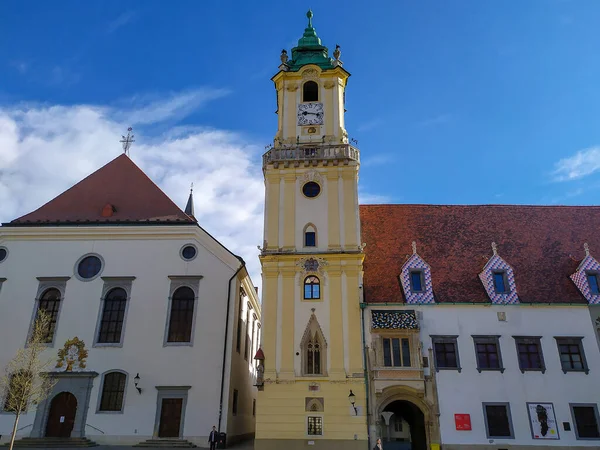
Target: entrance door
<point>170,417</point>
<point>61,417</point>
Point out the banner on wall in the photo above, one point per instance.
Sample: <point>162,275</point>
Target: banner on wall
<point>462,422</point>
<point>542,421</point>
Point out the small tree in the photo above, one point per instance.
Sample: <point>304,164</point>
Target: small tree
<point>26,380</point>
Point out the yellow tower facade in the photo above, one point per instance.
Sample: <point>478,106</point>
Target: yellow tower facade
<point>312,382</point>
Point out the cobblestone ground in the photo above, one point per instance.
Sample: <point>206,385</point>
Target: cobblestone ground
<point>247,445</point>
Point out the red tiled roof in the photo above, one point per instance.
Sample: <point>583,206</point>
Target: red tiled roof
<point>543,244</point>
<point>119,192</point>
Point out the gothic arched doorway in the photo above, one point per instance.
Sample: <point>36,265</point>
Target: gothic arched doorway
<point>403,426</point>
<point>61,417</point>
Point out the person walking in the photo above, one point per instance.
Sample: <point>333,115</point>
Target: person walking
<point>378,445</point>
<point>213,438</point>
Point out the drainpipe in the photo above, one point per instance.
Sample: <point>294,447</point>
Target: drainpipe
<point>243,264</point>
<point>366,372</point>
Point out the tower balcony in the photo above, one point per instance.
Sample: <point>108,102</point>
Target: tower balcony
<point>307,154</point>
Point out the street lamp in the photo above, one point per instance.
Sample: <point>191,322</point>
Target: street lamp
<point>136,381</point>
<point>352,400</point>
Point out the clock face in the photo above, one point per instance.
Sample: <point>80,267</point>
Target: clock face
<point>310,114</point>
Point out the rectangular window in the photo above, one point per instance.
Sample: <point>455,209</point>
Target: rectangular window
<point>586,421</point>
<point>315,426</point>
<point>253,407</point>
<point>500,284</point>
<point>498,421</point>
<point>572,357</point>
<point>181,320</point>
<point>529,351</point>
<point>593,283</point>
<point>113,316</point>
<point>234,406</point>
<point>487,350</point>
<point>416,281</point>
<point>398,425</point>
<point>445,351</point>
<point>310,239</point>
<point>396,352</point>
<point>238,342</point>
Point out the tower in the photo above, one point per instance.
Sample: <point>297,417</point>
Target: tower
<point>313,386</point>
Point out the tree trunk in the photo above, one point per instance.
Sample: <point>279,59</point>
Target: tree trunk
<point>14,431</point>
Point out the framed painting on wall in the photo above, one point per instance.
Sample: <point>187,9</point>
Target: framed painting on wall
<point>542,421</point>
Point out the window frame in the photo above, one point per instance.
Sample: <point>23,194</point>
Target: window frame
<point>192,282</point>
<point>575,429</point>
<point>101,392</point>
<point>578,340</point>
<point>508,414</point>
<point>80,259</point>
<point>46,283</point>
<point>596,275</point>
<point>238,337</point>
<point>477,339</point>
<point>111,283</point>
<point>401,340</point>
<point>304,284</point>
<point>421,273</point>
<point>317,90</point>
<point>322,426</point>
<point>446,339</point>
<point>309,228</point>
<point>504,274</point>
<point>533,340</point>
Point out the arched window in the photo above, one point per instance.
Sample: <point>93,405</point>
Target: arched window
<point>313,357</point>
<point>310,92</point>
<point>314,349</point>
<point>310,236</point>
<point>181,315</point>
<point>312,288</point>
<point>113,316</point>
<point>50,303</point>
<point>113,391</point>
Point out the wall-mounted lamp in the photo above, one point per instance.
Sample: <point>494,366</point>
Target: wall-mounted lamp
<point>260,369</point>
<point>352,400</point>
<point>136,381</point>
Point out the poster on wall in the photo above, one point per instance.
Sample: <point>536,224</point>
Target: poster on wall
<point>462,422</point>
<point>542,421</point>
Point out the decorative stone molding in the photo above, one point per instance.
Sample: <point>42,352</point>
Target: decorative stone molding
<point>329,84</point>
<point>310,73</point>
<point>71,358</point>
<point>291,87</point>
<point>311,175</point>
<point>394,320</point>
<point>312,265</point>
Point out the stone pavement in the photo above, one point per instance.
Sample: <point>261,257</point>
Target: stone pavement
<point>246,445</point>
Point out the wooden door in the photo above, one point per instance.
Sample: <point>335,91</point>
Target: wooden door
<point>170,417</point>
<point>61,417</point>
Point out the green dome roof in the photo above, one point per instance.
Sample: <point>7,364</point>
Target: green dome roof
<point>309,50</point>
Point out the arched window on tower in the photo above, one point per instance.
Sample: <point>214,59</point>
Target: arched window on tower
<point>312,288</point>
<point>313,357</point>
<point>310,236</point>
<point>314,349</point>
<point>310,92</point>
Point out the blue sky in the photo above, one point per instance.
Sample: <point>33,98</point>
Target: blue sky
<point>451,101</point>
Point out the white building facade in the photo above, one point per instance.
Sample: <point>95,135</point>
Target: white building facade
<point>477,326</point>
<point>169,317</point>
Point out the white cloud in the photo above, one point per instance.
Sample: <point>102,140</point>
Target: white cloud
<point>583,163</point>
<point>46,149</point>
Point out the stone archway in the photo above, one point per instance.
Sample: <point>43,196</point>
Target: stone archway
<point>415,409</point>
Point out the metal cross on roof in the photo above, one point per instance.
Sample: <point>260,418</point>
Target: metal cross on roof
<point>127,141</point>
<point>494,248</point>
<point>586,247</point>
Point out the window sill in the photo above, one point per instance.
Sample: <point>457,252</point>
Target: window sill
<point>533,370</point>
<point>458,369</point>
<point>501,437</point>
<point>108,344</point>
<point>501,370</point>
<point>109,412</point>
<point>586,371</point>
<point>178,344</point>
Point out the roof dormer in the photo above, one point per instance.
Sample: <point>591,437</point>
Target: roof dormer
<point>587,277</point>
<point>415,278</point>
<point>499,280</point>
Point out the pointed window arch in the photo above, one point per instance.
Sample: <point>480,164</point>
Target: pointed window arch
<point>314,346</point>
<point>310,92</point>
<point>312,288</point>
<point>310,235</point>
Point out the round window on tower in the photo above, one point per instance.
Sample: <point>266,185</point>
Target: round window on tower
<point>311,189</point>
<point>88,267</point>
